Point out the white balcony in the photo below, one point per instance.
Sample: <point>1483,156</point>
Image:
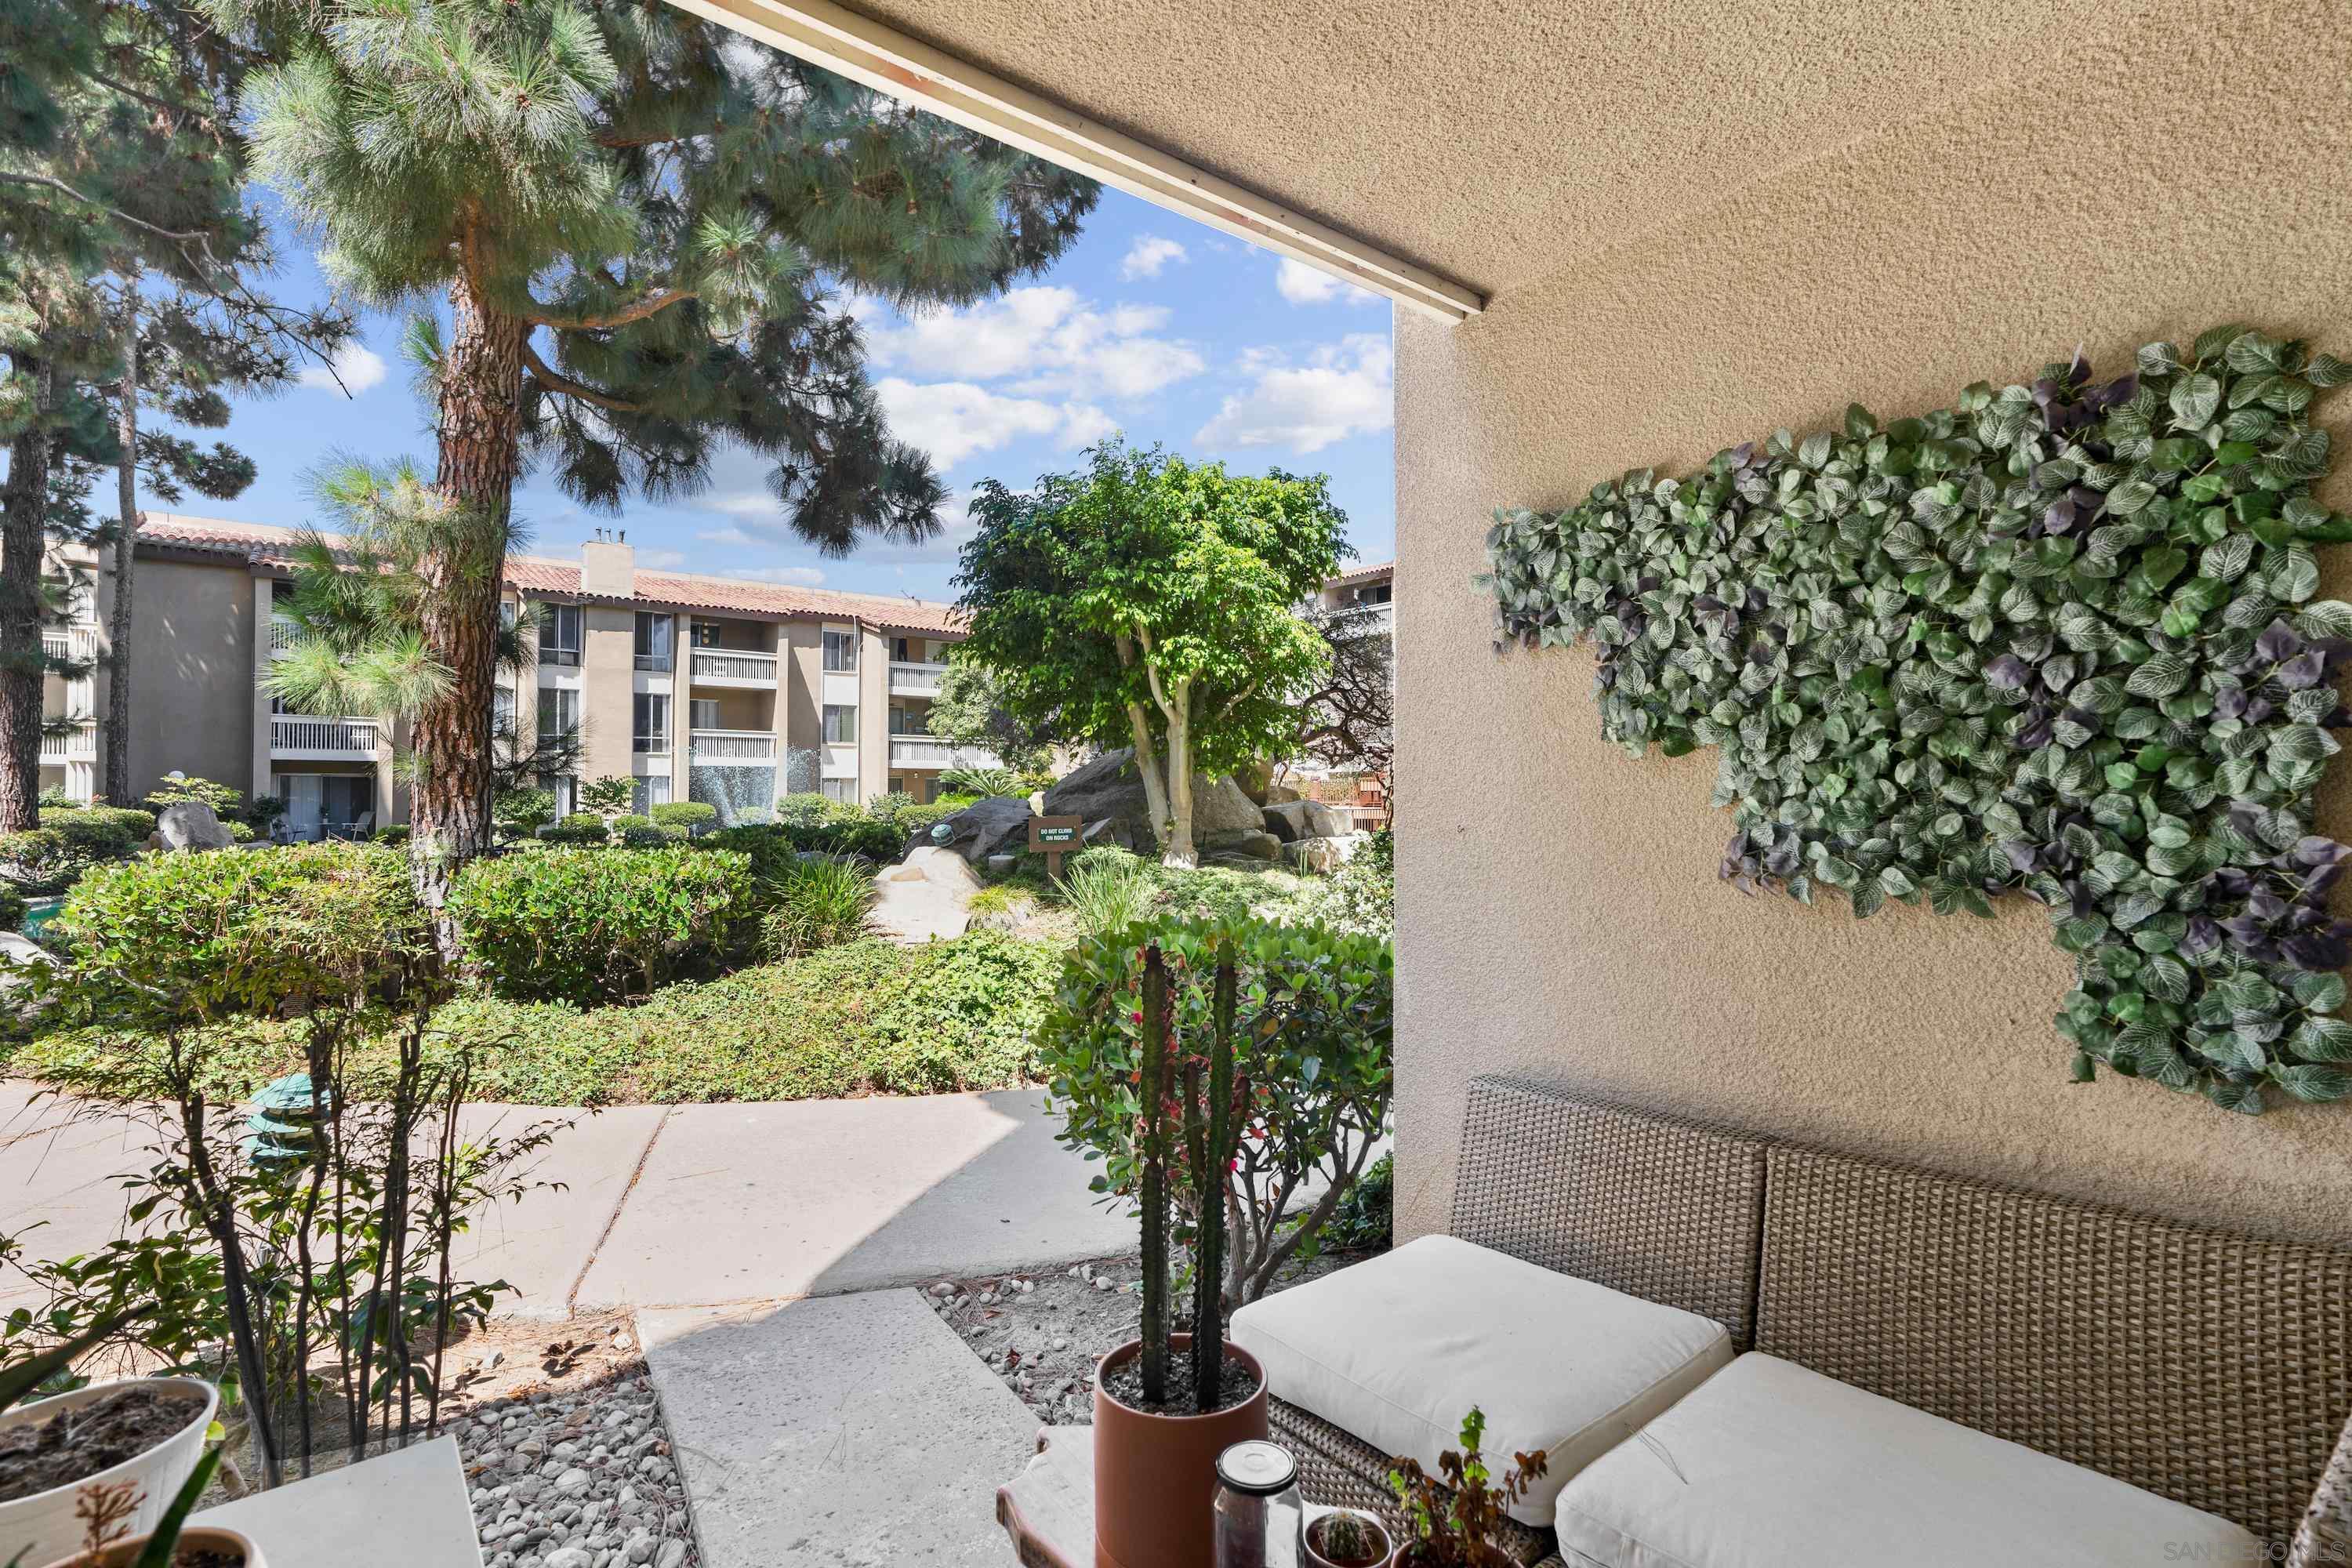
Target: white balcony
<point>78,744</point>
<point>923,751</point>
<point>78,644</point>
<point>301,738</point>
<point>915,679</point>
<point>734,666</point>
<point>732,748</point>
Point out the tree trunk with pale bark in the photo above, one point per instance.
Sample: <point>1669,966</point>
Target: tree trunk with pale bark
<point>117,741</point>
<point>480,429</point>
<point>24,510</point>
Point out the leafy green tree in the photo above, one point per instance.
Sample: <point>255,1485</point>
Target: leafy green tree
<point>634,219</point>
<point>120,157</point>
<point>1153,602</point>
<point>966,712</point>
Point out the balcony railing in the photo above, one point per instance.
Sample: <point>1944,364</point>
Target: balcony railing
<point>659,663</point>
<point>909,679</point>
<point>291,733</point>
<point>737,746</point>
<point>651,743</point>
<point>78,744</point>
<point>923,751</point>
<point>78,644</point>
<point>742,666</point>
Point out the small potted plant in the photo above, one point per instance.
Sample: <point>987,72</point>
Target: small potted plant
<point>1346,1539</point>
<point>1167,1403</point>
<point>144,1435</point>
<point>1452,1519</point>
<point>104,1512</point>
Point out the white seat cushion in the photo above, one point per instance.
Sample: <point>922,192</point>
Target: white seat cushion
<point>1770,1463</point>
<point>1397,1349</point>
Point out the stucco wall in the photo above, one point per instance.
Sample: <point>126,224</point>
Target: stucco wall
<point>608,664</point>
<point>192,655</point>
<point>1559,911</point>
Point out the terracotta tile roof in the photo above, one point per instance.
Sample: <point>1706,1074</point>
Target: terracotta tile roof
<point>265,544</point>
<point>1361,573</point>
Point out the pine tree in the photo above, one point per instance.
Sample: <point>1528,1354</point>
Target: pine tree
<point>118,160</point>
<point>637,221</point>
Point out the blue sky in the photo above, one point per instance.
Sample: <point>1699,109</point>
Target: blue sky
<point>1150,324</point>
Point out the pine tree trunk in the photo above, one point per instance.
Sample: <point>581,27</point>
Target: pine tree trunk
<point>481,429</point>
<point>24,510</point>
<point>117,743</point>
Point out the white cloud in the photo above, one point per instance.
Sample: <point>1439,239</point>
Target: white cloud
<point>1148,255</point>
<point>1055,342</point>
<point>358,366</point>
<point>1303,285</point>
<point>1344,389</point>
<point>661,559</point>
<point>788,576</point>
<point>951,420</point>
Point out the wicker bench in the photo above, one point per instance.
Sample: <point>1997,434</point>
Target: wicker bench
<point>2212,1368</point>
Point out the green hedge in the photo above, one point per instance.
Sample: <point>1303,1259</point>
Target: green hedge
<point>598,925</point>
<point>869,1018</point>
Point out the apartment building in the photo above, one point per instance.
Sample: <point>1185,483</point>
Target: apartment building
<point>697,687</point>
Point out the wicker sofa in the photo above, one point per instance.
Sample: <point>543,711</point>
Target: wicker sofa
<point>2198,1365</point>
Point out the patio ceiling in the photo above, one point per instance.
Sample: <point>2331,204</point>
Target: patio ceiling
<point>1477,144</point>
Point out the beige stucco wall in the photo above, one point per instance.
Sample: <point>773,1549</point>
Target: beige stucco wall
<point>1559,911</point>
<point>801,726</point>
<point>192,653</point>
<point>608,662</point>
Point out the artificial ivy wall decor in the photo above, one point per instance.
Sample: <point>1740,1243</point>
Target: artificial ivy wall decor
<point>2058,639</point>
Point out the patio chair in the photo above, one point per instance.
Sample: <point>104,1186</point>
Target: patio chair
<point>1977,1372</point>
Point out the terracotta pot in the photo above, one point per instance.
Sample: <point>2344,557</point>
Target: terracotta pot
<point>122,1553</point>
<point>1156,1476</point>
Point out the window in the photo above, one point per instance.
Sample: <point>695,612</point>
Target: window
<point>652,722</point>
<point>559,635</point>
<point>704,712</point>
<point>840,724</point>
<point>911,650</point>
<point>840,651</point>
<point>502,717</point>
<point>650,793</point>
<point>559,713</point>
<point>909,721</point>
<point>509,612</point>
<point>843,791</point>
<point>561,786</point>
<point>654,634</point>
<point>706,634</point>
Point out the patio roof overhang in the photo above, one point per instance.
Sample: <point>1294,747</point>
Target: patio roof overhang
<point>1438,155</point>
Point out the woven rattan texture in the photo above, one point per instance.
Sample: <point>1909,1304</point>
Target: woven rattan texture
<point>1336,1470</point>
<point>2213,1368</point>
<point>1655,1206</point>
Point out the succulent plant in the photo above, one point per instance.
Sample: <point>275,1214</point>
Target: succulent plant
<point>1345,1537</point>
<point>2058,639</point>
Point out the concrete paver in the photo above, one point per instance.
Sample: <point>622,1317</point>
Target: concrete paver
<point>820,1196</point>
<point>855,1431</point>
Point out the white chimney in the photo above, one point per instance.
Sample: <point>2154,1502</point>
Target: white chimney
<point>608,566</point>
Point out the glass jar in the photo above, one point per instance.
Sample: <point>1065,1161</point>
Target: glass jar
<point>1257,1508</point>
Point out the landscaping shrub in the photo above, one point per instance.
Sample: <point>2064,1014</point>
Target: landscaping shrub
<point>56,796</point>
<point>623,823</point>
<point>807,810</point>
<point>581,819</point>
<point>915,822</point>
<point>767,846</point>
<point>982,781</point>
<point>1316,1009</point>
<point>226,801</point>
<point>651,837</point>
<point>133,824</point>
<point>1360,896</point>
<point>967,1015</point>
<point>522,813</point>
<point>1365,1219</point>
<point>46,860</point>
<point>1107,888</point>
<point>11,909</point>
<point>389,832</point>
<point>814,903</point>
<point>691,815</point>
<point>862,836</point>
<point>588,927</point>
<point>590,832</point>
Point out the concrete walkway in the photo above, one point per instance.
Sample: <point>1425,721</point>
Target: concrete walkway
<point>819,1416</point>
<point>684,1205</point>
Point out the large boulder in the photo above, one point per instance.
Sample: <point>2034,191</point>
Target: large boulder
<point>982,829</point>
<point>1109,788</point>
<point>925,898</point>
<point>188,824</point>
<point>1328,854</point>
<point>1291,821</point>
<point>1253,842</point>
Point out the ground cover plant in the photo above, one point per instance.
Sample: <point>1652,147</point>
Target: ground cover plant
<point>867,1017</point>
<point>2060,638</point>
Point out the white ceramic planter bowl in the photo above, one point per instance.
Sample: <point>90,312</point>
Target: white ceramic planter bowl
<point>220,1539</point>
<point>45,1522</point>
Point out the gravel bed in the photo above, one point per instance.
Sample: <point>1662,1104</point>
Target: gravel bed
<point>580,1477</point>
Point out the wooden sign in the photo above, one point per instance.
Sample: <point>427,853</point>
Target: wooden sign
<point>1056,835</point>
